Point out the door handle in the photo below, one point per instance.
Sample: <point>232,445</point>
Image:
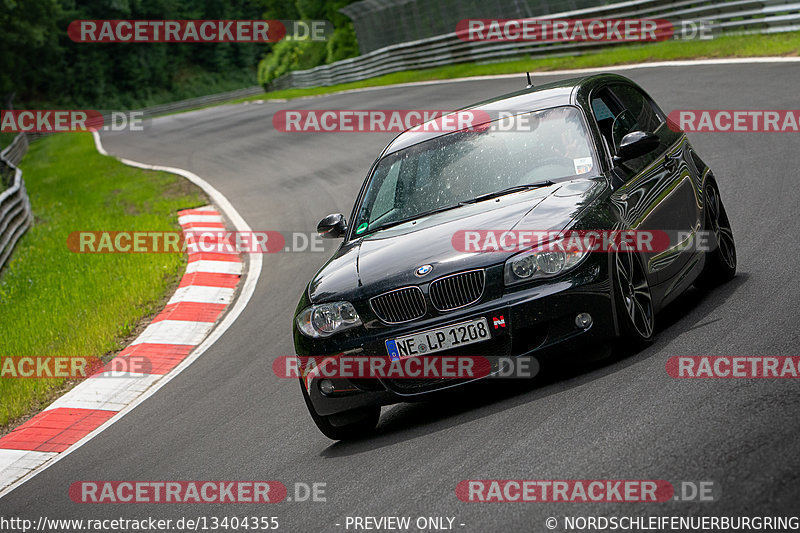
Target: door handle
<point>671,162</point>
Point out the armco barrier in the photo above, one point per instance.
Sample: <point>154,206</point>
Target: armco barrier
<point>15,207</point>
<point>736,16</point>
<point>201,101</point>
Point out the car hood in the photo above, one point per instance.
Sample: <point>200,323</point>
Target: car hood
<point>389,258</point>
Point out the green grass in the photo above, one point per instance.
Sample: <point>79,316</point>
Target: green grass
<point>56,302</point>
<point>780,44</point>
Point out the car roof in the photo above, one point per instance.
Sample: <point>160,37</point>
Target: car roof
<point>555,94</point>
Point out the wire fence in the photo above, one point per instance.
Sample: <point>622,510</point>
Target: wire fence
<point>726,17</point>
<point>15,207</point>
<point>412,20</point>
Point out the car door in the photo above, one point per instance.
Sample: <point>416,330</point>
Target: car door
<point>655,191</point>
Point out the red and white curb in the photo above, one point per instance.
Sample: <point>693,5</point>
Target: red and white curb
<point>186,327</point>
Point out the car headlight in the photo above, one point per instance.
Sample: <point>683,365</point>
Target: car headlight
<point>324,320</point>
<point>542,262</point>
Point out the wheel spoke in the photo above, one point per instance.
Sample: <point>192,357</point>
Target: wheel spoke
<point>644,295</point>
<point>629,305</point>
<point>622,274</point>
<point>726,247</point>
<point>635,293</point>
<point>713,205</point>
<point>646,320</point>
<point>629,261</point>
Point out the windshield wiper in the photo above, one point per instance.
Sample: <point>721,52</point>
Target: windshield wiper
<point>465,202</point>
<point>509,190</point>
<point>409,219</point>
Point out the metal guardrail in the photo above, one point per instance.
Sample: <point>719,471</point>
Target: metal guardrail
<point>202,101</point>
<point>734,17</point>
<point>15,207</point>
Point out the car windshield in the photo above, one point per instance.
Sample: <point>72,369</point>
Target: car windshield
<point>460,167</point>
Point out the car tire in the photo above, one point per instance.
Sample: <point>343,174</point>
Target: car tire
<point>635,310</point>
<point>348,425</point>
<point>720,264</point>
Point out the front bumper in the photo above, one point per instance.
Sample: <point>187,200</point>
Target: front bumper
<point>535,320</point>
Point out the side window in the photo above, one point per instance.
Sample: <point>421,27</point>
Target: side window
<point>641,112</point>
<point>622,110</point>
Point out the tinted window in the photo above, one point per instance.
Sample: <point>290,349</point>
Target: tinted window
<point>641,114</point>
<point>623,111</point>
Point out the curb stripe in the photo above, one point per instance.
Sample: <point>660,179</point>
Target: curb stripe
<point>193,225</point>
<point>161,357</point>
<point>212,256</point>
<point>199,211</point>
<point>106,391</point>
<point>204,292</point>
<point>191,311</point>
<point>55,430</point>
<point>16,463</point>
<point>185,219</point>
<point>19,466</point>
<point>218,267</point>
<point>210,279</point>
<point>194,293</point>
<point>174,332</point>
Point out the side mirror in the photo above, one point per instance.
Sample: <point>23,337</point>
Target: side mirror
<point>332,226</point>
<point>636,144</point>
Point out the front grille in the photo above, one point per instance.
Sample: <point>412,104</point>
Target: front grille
<point>401,305</point>
<point>457,290</point>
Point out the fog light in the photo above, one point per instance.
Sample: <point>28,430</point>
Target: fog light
<point>583,320</point>
<point>326,386</point>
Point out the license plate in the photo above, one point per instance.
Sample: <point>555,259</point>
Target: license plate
<point>439,339</point>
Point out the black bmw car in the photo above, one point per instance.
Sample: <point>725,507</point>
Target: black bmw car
<point>596,154</point>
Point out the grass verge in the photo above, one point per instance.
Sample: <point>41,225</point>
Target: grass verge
<point>780,44</point>
<point>54,302</point>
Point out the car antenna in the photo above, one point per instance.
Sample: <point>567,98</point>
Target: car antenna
<point>530,83</point>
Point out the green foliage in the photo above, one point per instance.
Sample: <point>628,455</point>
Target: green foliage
<point>779,44</point>
<point>300,55</point>
<point>46,69</point>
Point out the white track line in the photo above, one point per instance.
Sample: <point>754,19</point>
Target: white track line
<point>247,289</point>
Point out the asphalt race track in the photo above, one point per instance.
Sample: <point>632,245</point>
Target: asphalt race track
<point>228,417</point>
